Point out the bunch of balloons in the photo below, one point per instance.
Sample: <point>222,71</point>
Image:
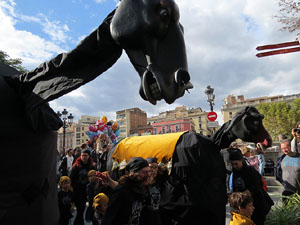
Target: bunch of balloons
<point>110,128</point>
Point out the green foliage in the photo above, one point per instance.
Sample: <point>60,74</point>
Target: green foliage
<point>15,63</point>
<point>287,213</point>
<point>280,117</point>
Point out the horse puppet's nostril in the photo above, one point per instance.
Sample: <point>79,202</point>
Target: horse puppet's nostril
<point>182,77</point>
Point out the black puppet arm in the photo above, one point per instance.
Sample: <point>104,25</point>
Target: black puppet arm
<point>63,74</point>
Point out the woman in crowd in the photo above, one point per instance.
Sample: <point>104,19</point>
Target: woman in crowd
<point>245,177</point>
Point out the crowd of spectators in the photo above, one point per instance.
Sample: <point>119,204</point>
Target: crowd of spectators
<point>86,192</point>
<point>247,189</point>
<point>86,187</point>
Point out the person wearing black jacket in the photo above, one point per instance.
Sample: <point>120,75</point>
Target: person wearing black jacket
<point>79,179</point>
<point>246,177</point>
<point>127,199</point>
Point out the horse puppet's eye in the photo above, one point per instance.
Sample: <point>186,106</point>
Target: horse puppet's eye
<point>164,15</point>
<point>253,123</point>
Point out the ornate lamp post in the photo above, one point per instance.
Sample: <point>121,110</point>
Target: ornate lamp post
<point>210,97</point>
<point>67,122</point>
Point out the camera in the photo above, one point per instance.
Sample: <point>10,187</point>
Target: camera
<point>297,130</point>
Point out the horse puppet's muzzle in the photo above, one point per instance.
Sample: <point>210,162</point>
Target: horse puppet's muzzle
<point>154,89</point>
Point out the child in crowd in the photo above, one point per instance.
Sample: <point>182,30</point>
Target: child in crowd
<point>100,202</point>
<point>65,200</point>
<point>242,208</point>
<point>90,190</point>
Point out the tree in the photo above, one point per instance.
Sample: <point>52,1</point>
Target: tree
<point>15,63</point>
<point>280,117</point>
<point>289,15</point>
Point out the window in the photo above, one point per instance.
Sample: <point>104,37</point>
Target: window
<point>155,130</point>
<point>82,128</point>
<point>200,126</point>
<point>177,128</point>
<point>163,129</point>
<point>78,135</point>
<point>77,129</point>
<point>230,114</point>
<point>82,134</point>
<point>121,116</point>
<point>78,142</point>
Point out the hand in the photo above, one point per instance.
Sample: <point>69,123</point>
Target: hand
<point>106,180</point>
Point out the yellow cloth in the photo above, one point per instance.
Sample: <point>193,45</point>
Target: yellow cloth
<point>160,146</point>
<point>238,219</point>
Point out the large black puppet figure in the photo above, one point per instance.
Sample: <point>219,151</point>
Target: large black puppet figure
<point>149,32</point>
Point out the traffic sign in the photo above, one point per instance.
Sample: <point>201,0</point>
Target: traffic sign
<point>213,124</point>
<point>212,116</point>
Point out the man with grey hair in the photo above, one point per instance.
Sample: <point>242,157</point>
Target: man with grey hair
<point>289,164</point>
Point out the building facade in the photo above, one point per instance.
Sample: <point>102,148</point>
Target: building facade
<point>173,126</point>
<point>82,126</point>
<point>196,115</point>
<point>233,104</point>
<point>69,138</point>
<point>129,120</point>
<point>76,133</point>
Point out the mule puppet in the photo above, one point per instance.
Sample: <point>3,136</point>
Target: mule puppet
<point>195,191</point>
<point>149,32</point>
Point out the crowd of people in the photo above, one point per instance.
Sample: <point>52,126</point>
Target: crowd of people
<point>247,187</point>
<point>85,185</point>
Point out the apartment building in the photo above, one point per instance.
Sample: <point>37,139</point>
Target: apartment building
<point>233,104</point>
<point>132,121</point>
<point>198,118</point>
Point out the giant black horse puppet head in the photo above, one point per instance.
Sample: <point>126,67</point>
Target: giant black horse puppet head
<point>150,33</point>
<point>246,125</point>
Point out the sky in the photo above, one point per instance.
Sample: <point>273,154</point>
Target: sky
<point>221,37</point>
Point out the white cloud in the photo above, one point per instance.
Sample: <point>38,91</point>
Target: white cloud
<point>23,44</point>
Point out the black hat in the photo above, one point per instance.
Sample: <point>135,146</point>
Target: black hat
<point>151,160</point>
<point>136,163</point>
<point>235,154</point>
<point>86,151</point>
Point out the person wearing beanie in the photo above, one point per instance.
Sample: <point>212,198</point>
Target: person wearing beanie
<point>246,177</point>
<point>127,199</point>
<point>100,202</point>
<point>65,200</point>
<point>79,180</point>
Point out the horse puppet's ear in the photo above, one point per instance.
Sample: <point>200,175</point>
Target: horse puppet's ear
<point>126,25</point>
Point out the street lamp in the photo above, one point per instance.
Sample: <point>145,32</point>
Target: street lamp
<point>67,122</point>
<point>210,97</point>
